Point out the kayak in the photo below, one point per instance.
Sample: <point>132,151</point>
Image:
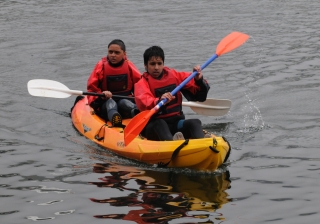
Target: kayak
<point>205,154</point>
<point>200,154</point>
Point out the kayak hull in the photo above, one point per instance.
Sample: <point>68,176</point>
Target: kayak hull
<point>200,154</point>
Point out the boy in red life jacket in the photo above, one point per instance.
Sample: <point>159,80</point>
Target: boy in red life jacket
<point>156,84</point>
<point>113,74</point>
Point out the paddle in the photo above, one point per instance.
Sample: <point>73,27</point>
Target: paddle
<point>54,89</point>
<point>137,124</point>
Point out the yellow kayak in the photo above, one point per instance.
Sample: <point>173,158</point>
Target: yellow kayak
<point>200,154</point>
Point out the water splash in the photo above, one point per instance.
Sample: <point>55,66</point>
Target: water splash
<point>252,119</point>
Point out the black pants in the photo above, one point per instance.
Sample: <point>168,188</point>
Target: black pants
<point>125,107</point>
<point>161,130</point>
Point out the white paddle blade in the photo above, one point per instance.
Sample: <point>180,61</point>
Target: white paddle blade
<point>210,111</point>
<point>50,88</point>
<point>217,102</point>
<point>211,107</point>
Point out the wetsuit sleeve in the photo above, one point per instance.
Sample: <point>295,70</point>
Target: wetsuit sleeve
<point>93,84</point>
<point>195,90</point>
<point>201,93</point>
<point>143,96</point>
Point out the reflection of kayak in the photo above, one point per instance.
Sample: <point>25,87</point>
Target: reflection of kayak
<point>210,189</point>
<point>157,196</point>
<point>201,154</point>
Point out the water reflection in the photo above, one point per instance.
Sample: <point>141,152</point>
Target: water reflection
<point>164,196</point>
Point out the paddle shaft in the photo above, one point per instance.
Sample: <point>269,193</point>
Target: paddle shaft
<point>101,94</point>
<point>78,92</point>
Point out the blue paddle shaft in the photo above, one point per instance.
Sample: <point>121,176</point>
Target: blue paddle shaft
<point>181,85</point>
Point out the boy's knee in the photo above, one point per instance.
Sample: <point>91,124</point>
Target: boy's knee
<point>190,123</point>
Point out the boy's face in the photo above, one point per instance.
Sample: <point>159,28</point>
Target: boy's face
<point>115,53</point>
<point>155,66</point>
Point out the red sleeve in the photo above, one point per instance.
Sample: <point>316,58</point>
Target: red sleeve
<point>191,85</point>
<point>135,73</point>
<point>143,96</point>
<point>93,81</point>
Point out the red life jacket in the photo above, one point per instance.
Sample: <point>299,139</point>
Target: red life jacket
<point>117,80</point>
<point>158,87</point>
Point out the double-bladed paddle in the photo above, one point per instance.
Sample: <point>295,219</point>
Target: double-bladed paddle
<point>137,124</point>
<point>54,89</point>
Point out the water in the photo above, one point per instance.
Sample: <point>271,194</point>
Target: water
<point>49,172</point>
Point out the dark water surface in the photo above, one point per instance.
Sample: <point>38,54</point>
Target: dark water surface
<point>51,174</point>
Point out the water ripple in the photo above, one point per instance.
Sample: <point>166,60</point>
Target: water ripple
<point>51,202</point>
<point>44,189</point>
<point>28,162</point>
<point>282,199</point>
<point>267,167</point>
<point>36,218</point>
<point>9,175</point>
<point>265,181</point>
<point>5,151</point>
<point>8,213</point>
<point>311,213</point>
<point>64,212</point>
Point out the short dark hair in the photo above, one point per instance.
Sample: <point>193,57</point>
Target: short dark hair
<point>118,42</point>
<point>154,51</point>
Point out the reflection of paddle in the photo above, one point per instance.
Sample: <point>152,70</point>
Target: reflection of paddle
<point>137,124</point>
<point>54,89</point>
